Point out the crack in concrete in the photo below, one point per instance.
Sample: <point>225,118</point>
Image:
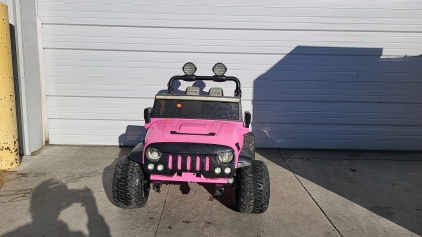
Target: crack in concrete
<point>320,208</point>
<point>15,195</point>
<point>162,211</point>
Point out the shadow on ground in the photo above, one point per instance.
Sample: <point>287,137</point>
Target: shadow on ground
<point>109,170</point>
<point>228,198</point>
<point>49,200</point>
<point>388,184</point>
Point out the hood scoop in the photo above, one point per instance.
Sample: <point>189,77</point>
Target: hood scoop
<point>193,129</point>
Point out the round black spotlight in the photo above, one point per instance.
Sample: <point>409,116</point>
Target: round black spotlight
<point>189,68</point>
<point>219,69</point>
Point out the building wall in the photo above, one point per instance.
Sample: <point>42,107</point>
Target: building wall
<point>316,74</point>
<point>28,82</point>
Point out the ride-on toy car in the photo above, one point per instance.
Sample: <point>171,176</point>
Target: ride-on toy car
<point>195,137</point>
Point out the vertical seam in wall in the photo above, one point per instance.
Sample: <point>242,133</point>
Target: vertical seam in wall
<point>21,76</point>
<point>42,81</point>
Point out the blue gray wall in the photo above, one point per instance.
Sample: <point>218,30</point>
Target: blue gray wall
<point>339,97</point>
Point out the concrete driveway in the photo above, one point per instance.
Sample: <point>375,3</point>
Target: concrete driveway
<point>66,191</point>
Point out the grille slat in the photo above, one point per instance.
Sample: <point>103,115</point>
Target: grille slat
<point>207,164</point>
<point>188,163</point>
<point>198,163</point>
<point>170,162</point>
<point>179,162</point>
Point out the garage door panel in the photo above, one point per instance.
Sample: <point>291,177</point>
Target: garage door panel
<point>249,37</point>
<point>215,40</point>
<point>289,112</point>
<point>104,91</point>
<point>165,59</point>
<point>338,144</point>
<point>367,63</point>
<point>164,14</point>
<point>249,62</point>
<point>97,108</point>
<point>347,131</point>
<point>314,74</point>
<point>244,66</point>
<point>95,132</point>
<point>371,68</point>
<point>329,137</point>
<point>339,96</point>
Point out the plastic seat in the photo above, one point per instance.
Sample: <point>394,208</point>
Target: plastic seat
<point>215,91</point>
<point>192,90</point>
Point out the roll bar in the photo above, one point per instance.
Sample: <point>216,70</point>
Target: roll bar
<point>237,91</point>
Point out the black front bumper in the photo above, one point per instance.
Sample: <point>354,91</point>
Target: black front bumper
<point>201,159</point>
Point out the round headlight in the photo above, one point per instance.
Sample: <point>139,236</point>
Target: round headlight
<point>225,157</point>
<point>219,69</point>
<point>189,68</point>
<point>153,154</point>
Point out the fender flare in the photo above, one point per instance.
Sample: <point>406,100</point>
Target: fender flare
<point>136,154</point>
<point>245,158</point>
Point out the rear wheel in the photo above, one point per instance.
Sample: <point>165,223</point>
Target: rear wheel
<point>253,188</point>
<point>130,185</point>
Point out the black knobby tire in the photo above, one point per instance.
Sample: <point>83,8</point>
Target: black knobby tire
<point>249,142</point>
<point>130,186</point>
<point>253,188</point>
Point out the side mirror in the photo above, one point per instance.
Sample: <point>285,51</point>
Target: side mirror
<point>147,116</point>
<point>247,119</point>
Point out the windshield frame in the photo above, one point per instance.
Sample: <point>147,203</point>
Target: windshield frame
<point>199,98</point>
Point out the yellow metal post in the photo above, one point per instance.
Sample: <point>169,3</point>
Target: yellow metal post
<point>9,150</point>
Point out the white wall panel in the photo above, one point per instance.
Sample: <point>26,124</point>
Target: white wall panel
<point>317,74</point>
<point>246,41</point>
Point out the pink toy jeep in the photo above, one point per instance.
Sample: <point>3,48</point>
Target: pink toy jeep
<point>195,137</point>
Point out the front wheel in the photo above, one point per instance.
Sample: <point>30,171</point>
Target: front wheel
<point>130,185</point>
<point>253,188</point>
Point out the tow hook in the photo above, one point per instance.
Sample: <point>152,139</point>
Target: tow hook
<point>219,189</point>
<point>156,186</point>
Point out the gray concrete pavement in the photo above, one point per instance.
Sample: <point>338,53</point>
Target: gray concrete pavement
<point>66,191</point>
<point>363,193</point>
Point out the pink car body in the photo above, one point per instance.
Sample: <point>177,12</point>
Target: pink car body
<point>195,137</point>
<point>228,133</point>
<point>188,134</point>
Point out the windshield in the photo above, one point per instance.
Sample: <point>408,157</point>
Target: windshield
<point>165,108</point>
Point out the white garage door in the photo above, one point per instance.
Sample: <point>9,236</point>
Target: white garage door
<point>317,74</point>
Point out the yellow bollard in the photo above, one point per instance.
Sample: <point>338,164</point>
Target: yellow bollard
<point>9,150</point>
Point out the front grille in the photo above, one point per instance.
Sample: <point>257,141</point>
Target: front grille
<point>188,163</point>
<point>189,157</point>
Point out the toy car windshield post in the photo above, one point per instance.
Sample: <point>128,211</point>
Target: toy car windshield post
<point>219,70</point>
<point>147,117</point>
<point>247,119</point>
